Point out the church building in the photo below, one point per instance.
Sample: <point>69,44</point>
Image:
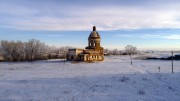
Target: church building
<point>93,52</point>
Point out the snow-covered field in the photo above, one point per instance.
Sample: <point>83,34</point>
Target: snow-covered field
<point>111,80</point>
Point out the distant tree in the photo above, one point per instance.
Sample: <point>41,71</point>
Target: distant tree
<point>21,51</point>
<point>120,52</point>
<point>30,51</point>
<point>129,49</point>
<point>106,51</point>
<point>115,52</point>
<point>63,51</point>
<point>6,50</point>
<point>19,56</point>
<point>34,49</point>
<point>12,51</point>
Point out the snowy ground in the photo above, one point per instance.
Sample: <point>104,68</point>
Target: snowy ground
<point>111,80</point>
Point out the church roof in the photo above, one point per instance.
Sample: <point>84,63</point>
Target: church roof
<point>94,33</point>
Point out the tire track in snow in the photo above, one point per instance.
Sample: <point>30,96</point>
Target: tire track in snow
<point>45,93</point>
<point>87,86</point>
<point>85,89</point>
<point>159,82</point>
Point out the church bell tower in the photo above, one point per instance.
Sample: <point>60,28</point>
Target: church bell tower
<point>94,40</point>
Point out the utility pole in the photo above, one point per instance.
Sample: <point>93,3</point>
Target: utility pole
<point>159,68</point>
<point>131,58</point>
<point>64,56</point>
<point>172,61</point>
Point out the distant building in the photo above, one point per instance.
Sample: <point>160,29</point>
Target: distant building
<point>94,51</point>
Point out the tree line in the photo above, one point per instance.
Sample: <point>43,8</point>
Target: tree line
<point>33,50</point>
<point>128,50</point>
<point>30,51</point>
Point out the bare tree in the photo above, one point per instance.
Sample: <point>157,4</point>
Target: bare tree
<point>6,50</point>
<point>120,52</point>
<point>63,51</point>
<point>106,51</point>
<point>130,50</point>
<point>115,52</point>
<point>20,51</point>
<point>34,49</point>
<point>30,51</point>
<point>12,51</point>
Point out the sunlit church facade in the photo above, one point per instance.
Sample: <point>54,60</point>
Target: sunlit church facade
<point>93,52</point>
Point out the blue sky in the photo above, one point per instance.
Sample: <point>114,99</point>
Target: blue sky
<point>147,24</point>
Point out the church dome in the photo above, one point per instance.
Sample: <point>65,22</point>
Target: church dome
<point>94,33</point>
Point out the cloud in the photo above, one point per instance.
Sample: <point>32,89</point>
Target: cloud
<point>173,37</point>
<point>150,36</point>
<point>123,35</point>
<point>59,15</point>
<point>11,10</point>
<point>162,36</point>
<point>52,35</point>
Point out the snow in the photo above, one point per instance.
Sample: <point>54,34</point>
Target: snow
<point>111,80</point>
